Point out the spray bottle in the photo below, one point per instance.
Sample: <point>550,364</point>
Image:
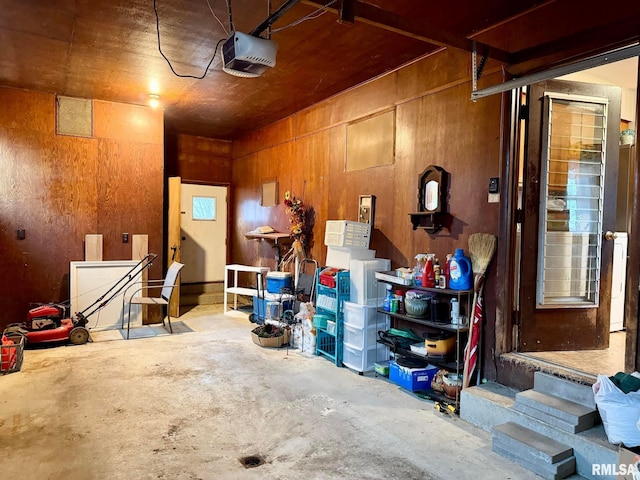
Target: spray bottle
<point>428,276</point>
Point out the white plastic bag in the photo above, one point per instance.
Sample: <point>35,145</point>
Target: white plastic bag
<point>620,412</point>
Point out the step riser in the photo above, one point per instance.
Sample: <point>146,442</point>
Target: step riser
<point>554,471</point>
<point>582,394</point>
<point>491,404</point>
<point>585,418</point>
<point>202,299</point>
<point>526,444</point>
<point>550,419</point>
<point>524,452</point>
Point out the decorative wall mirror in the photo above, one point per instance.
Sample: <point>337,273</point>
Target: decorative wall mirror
<point>432,190</point>
<point>432,200</point>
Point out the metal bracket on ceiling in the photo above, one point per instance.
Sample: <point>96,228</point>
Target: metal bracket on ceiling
<point>347,12</point>
<point>271,19</point>
<point>477,67</point>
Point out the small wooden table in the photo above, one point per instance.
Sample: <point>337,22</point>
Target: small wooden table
<point>278,240</point>
<point>236,290</point>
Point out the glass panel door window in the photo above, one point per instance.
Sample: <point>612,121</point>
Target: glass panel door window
<point>572,192</point>
<point>203,208</point>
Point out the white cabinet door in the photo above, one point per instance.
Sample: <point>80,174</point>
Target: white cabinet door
<point>91,280</point>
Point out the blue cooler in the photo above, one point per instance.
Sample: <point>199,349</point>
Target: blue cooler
<point>276,281</point>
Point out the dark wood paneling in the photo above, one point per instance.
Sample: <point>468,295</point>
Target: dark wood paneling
<point>198,159</point>
<point>369,98</point>
<point>60,188</point>
<point>109,50</point>
<point>275,134</point>
<point>130,191</point>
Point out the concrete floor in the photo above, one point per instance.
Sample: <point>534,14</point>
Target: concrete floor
<point>188,405</point>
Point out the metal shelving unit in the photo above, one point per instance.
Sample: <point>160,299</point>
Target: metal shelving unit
<point>454,362</point>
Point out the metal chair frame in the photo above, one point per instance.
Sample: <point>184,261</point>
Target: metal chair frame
<point>166,286</point>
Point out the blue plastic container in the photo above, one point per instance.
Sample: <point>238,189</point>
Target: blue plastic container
<point>460,271</point>
<point>413,379</point>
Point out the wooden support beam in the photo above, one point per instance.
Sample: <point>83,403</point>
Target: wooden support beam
<point>423,31</point>
<point>575,47</point>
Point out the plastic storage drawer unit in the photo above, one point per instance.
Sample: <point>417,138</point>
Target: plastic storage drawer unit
<point>363,359</point>
<point>361,316</point>
<point>362,337</point>
<point>365,289</point>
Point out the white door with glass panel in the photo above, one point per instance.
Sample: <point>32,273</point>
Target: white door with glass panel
<point>203,228</point>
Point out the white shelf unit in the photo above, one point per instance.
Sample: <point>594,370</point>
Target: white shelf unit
<point>235,290</point>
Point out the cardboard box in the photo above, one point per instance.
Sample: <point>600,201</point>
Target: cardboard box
<point>413,379</point>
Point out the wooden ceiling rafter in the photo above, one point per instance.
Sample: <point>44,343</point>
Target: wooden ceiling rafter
<point>430,33</point>
<point>574,47</point>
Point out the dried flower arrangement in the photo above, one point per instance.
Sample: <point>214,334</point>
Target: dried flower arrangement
<point>298,226</point>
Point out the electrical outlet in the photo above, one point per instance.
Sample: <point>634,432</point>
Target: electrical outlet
<point>125,238</point>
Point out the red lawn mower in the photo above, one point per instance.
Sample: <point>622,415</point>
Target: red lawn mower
<point>51,323</point>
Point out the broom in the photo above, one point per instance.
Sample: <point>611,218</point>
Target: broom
<point>482,247</point>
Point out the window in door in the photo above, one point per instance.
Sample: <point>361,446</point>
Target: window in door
<point>203,208</point>
<point>571,204</point>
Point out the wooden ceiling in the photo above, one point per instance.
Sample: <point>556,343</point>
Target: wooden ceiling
<point>108,49</point>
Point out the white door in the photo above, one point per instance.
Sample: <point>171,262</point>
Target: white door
<point>618,281</point>
<point>203,228</point>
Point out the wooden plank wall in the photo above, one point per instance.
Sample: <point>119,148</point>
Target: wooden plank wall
<point>436,123</point>
<point>60,188</point>
<point>198,159</point>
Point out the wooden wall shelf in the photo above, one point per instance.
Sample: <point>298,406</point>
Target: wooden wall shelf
<point>430,222</point>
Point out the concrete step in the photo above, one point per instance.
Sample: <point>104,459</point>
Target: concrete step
<point>556,471</point>
<point>565,414</point>
<point>560,387</point>
<point>208,287</point>
<point>491,404</point>
<point>212,298</point>
<point>529,444</point>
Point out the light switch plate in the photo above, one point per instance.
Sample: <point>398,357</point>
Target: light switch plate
<point>366,209</point>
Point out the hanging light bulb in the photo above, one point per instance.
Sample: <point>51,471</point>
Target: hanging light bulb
<point>154,100</point>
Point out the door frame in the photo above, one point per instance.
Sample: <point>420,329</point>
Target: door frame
<point>507,317</point>
<point>227,187</point>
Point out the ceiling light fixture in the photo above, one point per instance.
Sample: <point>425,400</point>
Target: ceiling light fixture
<point>154,100</point>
